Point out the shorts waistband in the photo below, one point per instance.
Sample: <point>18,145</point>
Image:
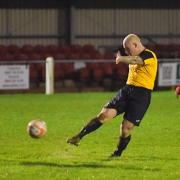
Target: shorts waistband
<point>139,88</point>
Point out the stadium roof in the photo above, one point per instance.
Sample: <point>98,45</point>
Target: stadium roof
<point>125,4</point>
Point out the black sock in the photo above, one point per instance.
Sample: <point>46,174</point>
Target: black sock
<point>91,126</point>
<point>123,142</point>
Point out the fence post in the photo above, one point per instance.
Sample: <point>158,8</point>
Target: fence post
<point>49,75</point>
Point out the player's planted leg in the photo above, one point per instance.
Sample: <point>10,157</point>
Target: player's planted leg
<point>125,137</point>
<point>91,126</point>
<point>123,142</point>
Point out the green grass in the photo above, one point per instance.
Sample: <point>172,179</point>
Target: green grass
<point>154,152</point>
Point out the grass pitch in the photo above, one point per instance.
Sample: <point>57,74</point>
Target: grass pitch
<point>153,153</point>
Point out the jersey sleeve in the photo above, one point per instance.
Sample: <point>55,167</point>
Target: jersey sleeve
<point>146,55</point>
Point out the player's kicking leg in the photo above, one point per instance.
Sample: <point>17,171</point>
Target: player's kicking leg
<point>93,124</point>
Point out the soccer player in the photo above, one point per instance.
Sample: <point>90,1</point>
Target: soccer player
<point>133,99</point>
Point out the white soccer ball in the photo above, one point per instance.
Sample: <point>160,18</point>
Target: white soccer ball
<point>37,128</point>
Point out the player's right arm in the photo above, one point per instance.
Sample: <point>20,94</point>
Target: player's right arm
<point>128,59</point>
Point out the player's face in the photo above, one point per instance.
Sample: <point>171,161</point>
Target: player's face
<point>130,48</point>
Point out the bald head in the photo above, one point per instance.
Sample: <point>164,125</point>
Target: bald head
<point>131,38</point>
<point>132,44</point>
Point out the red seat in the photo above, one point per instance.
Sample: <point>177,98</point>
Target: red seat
<point>84,56</point>
<point>73,56</point>
<point>27,49</point>
<point>97,75</point>
<point>33,72</point>
<point>2,57</point>
<point>35,56</point>
<point>22,57</point>
<point>68,69</point>
<point>96,55</point>
<point>107,69</point>
<point>59,56</point>
<point>58,72</point>
<point>75,48</point>
<point>64,49</point>
<point>45,55</point>
<point>121,71</point>
<point>108,55</point>
<point>3,49</point>
<point>51,49</point>
<point>13,49</point>
<point>9,57</point>
<point>92,66</point>
<point>40,67</point>
<point>88,48</point>
<point>84,74</point>
<point>39,49</point>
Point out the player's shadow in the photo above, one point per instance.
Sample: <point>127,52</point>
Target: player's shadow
<point>141,168</point>
<point>60,165</point>
<point>90,165</point>
<point>152,158</point>
<point>146,159</point>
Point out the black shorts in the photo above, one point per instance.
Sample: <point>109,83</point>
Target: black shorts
<point>132,101</point>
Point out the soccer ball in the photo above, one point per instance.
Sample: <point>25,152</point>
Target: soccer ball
<point>177,92</point>
<point>36,128</point>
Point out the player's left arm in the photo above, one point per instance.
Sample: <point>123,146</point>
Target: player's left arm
<point>128,59</point>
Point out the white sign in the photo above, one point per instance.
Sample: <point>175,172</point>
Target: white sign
<point>168,74</point>
<point>14,77</point>
<point>79,65</point>
<point>178,74</point>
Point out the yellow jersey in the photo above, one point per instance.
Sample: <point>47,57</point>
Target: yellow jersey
<point>144,75</point>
